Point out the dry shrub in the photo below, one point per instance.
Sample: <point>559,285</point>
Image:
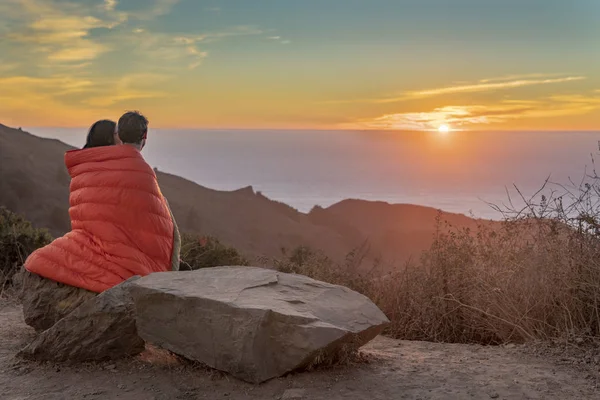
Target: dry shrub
<point>18,239</point>
<point>315,264</point>
<point>534,276</point>
<point>520,282</point>
<point>206,252</point>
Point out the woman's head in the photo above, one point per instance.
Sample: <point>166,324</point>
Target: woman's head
<point>102,133</point>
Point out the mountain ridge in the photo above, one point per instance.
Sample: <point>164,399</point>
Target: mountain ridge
<point>34,182</point>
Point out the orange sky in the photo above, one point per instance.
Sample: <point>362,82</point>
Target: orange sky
<point>271,64</point>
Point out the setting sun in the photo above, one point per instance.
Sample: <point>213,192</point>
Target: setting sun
<point>444,129</point>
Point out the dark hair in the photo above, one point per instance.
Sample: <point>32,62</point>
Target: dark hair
<point>102,133</point>
<point>133,127</point>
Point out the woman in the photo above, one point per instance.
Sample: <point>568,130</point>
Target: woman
<point>102,133</point>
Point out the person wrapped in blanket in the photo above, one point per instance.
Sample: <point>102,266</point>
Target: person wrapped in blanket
<point>121,225</point>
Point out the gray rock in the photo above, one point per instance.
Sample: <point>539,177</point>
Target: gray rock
<point>101,328</point>
<point>45,302</point>
<point>293,394</point>
<point>253,323</point>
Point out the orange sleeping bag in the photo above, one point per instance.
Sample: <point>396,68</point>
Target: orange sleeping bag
<point>120,222</point>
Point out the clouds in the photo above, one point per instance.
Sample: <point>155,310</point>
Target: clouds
<point>60,42</point>
<point>235,61</point>
<point>95,55</point>
<point>486,85</point>
<point>454,116</point>
<point>481,86</point>
<point>45,100</point>
<point>483,108</point>
<point>211,37</point>
<point>279,39</point>
<point>165,51</point>
<point>7,66</point>
<point>167,48</point>
<point>129,87</point>
<point>61,31</point>
<point>109,5</point>
<point>66,32</point>
<point>156,9</point>
<point>74,101</point>
<point>483,116</point>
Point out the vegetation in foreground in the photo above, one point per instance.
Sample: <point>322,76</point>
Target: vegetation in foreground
<point>537,277</point>
<point>206,251</point>
<point>18,239</point>
<point>521,283</point>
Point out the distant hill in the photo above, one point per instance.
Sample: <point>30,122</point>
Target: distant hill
<point>35,183</point>
<point>396,232</point>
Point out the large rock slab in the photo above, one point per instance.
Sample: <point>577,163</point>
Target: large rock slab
<point>253,323</point>
<point>101,328</point>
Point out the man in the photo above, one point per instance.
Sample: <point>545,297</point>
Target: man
<point>121,226</point>
<point>132,129</point>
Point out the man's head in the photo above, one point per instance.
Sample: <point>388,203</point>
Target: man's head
<point>133,129</point>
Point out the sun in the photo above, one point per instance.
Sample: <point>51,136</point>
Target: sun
<point>444,129</point>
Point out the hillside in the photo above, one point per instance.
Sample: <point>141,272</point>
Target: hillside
<point>34,182</point>
<point>395,231</point>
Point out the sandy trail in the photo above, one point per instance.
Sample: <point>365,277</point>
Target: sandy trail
<point>396,370</point>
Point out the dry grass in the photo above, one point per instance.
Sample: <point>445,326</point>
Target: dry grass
<point>205,252</point>
<point>531,279</point>
<point>18,238</point>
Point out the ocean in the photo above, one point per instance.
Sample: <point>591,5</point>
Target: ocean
<point>457,172</point>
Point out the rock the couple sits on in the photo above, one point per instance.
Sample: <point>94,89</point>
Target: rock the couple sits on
<point>121,225</point>
<point>112,284</point>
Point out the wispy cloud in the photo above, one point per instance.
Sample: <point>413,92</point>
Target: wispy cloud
<point>59,33</point>
<point>483,85</point>
<point>167,49</point>
<point>455,116</point>
<point>74,100</point>
<point>61,30</point>
<point>129,87</point>
<point>55,85</point>
<point>8,66</point>
<point>188,46</point>
<point>156,9</point>
<point>209,37</point>
<point>109,5</point>
<point>279,39</point>
<point>473,116</point>
<point>486,86</point>
<point>46,98</point>
<point>521,76</point>
<point>56,62</point>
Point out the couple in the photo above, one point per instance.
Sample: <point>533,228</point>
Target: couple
<point>121,225</point>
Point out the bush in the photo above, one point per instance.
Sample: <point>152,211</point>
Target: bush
<point>18,239</point>
<point>206,252</point>
<point>533,276</point>
<point>525,279</point>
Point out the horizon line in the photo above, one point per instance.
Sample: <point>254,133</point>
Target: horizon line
<point>456,131</point>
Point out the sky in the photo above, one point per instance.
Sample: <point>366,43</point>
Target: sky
<point>303,64</point>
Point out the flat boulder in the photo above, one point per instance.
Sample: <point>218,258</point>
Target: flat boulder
<point>101,328</point>
<point>253,323</point>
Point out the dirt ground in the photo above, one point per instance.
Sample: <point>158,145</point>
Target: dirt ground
<point>393,370</point>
